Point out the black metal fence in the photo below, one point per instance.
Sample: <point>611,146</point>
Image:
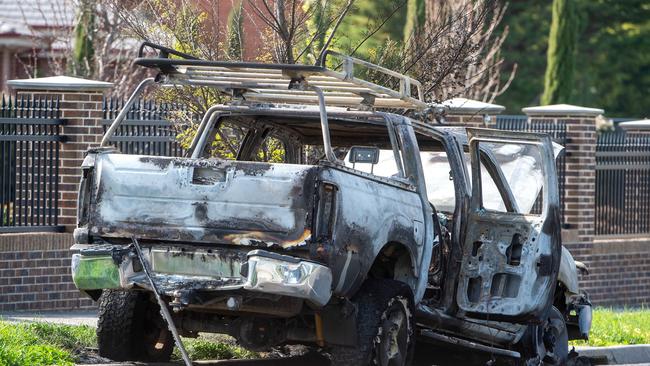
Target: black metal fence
<point>557,131</point>
<point>622,184</point>
<point>148,128</point>
<point>29,164</point>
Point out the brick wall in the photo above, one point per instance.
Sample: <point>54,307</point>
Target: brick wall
<point>619,270</point>
<point>619,267</point>
<point>35,273</point>
<point>35,268</point>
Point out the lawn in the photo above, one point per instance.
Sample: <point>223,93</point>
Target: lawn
<point>27,344</point>
<point>42,343</point>
<point>619,327</point>
<point>32,344</point>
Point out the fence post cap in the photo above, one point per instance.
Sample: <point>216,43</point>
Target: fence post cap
<point>643,124</point>
<point>562,110</point>
<point>63,83</point>
<point>470,106</point>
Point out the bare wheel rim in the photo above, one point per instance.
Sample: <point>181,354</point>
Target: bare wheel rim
<point>548,341</point>
<point>393,338</point>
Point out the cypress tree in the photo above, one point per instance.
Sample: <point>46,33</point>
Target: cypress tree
<point>235,30</point>
<point>83,49</point>
<point>415,18</point>
<point>562,40</point>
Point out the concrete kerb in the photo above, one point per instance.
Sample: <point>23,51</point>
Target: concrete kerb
<point>73,317</point>
<point>617,355</point>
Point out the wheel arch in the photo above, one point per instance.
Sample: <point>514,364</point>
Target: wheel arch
<point>394,261</point>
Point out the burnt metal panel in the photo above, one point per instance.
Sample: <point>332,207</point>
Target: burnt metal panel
<point>243,203</point>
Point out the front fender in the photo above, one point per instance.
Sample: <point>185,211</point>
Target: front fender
<point>568,274</point>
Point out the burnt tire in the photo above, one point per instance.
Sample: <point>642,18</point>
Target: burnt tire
<point>130,328</point>
<point>548,343</point>
<point>385,327</point>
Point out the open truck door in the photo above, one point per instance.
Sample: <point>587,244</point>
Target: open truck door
<point>512,247</point>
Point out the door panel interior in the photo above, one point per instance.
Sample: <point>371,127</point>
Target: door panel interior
<point>510,258</point>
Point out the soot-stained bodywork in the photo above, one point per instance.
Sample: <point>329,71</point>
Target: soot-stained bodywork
<point>326,212</point>
<point>236,241</point>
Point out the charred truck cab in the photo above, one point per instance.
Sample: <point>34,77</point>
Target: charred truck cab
<point>330,223</point>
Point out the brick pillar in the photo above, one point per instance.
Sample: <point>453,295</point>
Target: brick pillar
<point>470,113</point>
<point>81,107</point>
<point>580,180</point>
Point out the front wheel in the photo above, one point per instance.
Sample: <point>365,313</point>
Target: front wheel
<point>547,343</point>
<point>385,326</point>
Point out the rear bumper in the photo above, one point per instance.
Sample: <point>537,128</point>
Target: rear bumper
<point>176,269</point>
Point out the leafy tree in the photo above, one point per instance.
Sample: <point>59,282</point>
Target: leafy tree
<point>614,58</point>
<point>528,22</point>
<point>612,61</point>
<point>370,24</point>
<point>558,84</point>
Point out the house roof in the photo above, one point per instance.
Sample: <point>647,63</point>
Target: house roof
<point>23,22</point>
<point>9,27</point>
<point>38,13</point>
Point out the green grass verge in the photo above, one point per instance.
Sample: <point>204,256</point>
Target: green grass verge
<point>42,343</point>
<point>612,327</point>
<point>214,347</point>
<point>36,344</point>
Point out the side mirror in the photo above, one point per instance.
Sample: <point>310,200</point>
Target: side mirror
<point>364,154</point>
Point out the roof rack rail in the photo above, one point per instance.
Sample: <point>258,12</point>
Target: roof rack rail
<point>290,83</point>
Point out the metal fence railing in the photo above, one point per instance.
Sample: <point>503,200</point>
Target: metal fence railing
<point>148,128</point>
<point>558,132</point>
<point>622,184</point>
<point>29,164</point>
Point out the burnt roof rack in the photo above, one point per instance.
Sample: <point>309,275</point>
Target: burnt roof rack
<point>289,83</point>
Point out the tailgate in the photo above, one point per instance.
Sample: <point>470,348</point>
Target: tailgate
<point>214,201</point>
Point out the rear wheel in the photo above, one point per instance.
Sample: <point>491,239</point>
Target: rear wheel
<point>130,328</point>
<point>385,326</point>
<point>547,343</point>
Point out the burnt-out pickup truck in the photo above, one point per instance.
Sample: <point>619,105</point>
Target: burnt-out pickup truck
<point>333,225</point>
